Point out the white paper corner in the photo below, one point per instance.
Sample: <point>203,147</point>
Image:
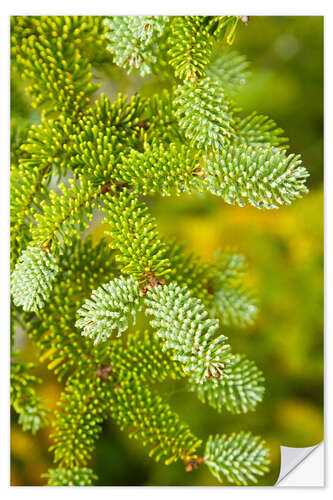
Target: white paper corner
<point>302,466</point>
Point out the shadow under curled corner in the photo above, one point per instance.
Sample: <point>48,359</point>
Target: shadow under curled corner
<point>291,458</point>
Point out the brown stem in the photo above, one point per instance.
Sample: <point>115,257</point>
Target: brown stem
<point>193,463</point>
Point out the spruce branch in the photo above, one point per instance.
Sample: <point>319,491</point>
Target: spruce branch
<point>24,399</point>
<point>190,47</point>
<point>187,269</point>
<point>80,412</point>
<point>70,477</point>
<point>235,306</point>
<point>183,325</point>
<point>161,168</point>
<point>143,356</point>
<point>96,390</point>
<point>18,135</point>
<point>238,458</point>
<point>83,267</point>
<point>134,233</point>
<point>57,67</point>
<point>232,302</point>
<point>230,70</point>
<point>225,27</point>
<point>259,130</point>
<point>66,214</point>
<point>132,39</point>
<point>45,147</point>
<point>143,412</point>
<point>238,391</point>
<point>231,268</point>
<point>105,131</point>
<point>265,178</point>
<point>204,114</point>
<point>162,123</point>
<point>108,308</point>
<point>28,186</point>
<point>31,280</point>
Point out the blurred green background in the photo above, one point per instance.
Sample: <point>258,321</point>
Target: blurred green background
<point>284,249</point>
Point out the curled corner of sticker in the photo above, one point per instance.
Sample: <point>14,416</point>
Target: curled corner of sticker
<point>291,458</point>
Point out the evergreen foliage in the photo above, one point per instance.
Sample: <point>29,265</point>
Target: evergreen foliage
<point>24,399</point>
<point>225,27</point>
<point>162,123</point>
<point>265,178</point>
<point>185,328</point>
<point>144,356</point>
<point>134,233</point>
<point>188,270</point>
<point>160,168</point>
<point>53,332</point>
<point>70,477</point>
<point>31,280</point>
<point>196,110</point>
<point>135,407</point>
<point>191,47</point>
<point>18,136</point>
<point>110,155</point>
<point>78,418</point>
<point>259,130</point>
<point>62,215</point>
<point>51,53</point>
<point>235,306</point>
<point>230,70</point>
<point>233,303</point>
<point>132,41</point>
<point>107,130</point>
<point>239,457</point>
<point>239,390</point>
<point>108,308</point>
